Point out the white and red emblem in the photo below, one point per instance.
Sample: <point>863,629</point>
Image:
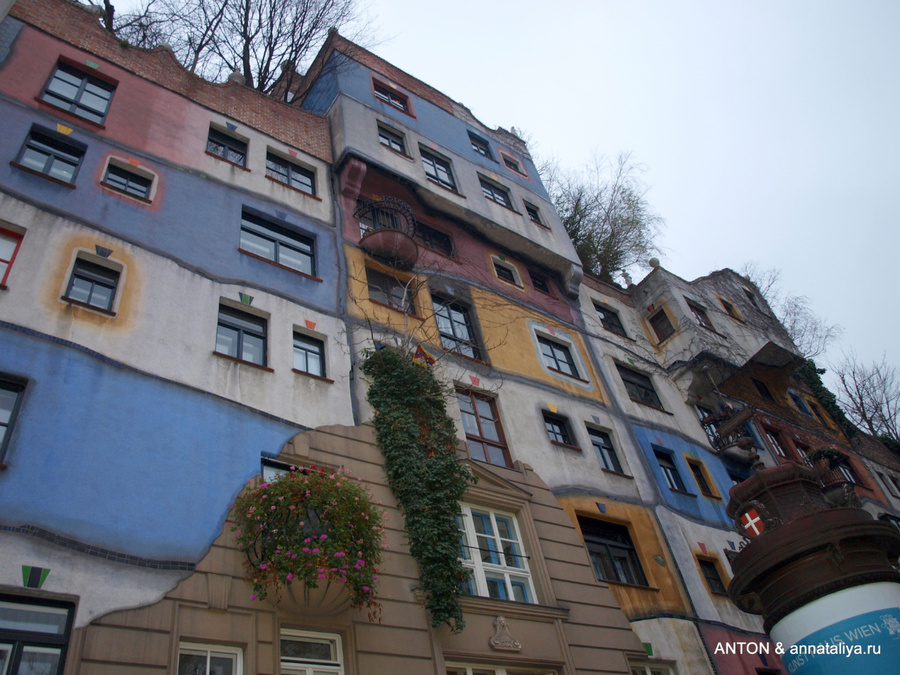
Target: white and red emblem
<point>752,523</point>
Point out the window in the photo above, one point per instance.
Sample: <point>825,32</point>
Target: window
<point>241,335</point>
<point>481,422</point>
<point>455,327</point>
<point>889,482</point>
<point>293,175</point>
<point>79,93</point>
<point>390,291</point>
<point>732,311</point>
<point>123,180</point>
<point>610,320</point>
<point>209,660</point>
<point>799,403</point>
<point>701,478</point>
<point>751,297</point>
<point>33,636</point>
<point>491,547</point>
<point>711,573</point>
<point>506,273</point>
<point>512,164</point>
<point>803,451</point>
<point>376,219</point>
<point>392,140</point>
<point>775,442</point>
<point>433,239</point>
<point>277,244</point>
<point>480,146</point>
<point>391,97</point>
<point>534,214</point>
<point>309,355</point>
<point>305,653</point>
<point>557,357</point>
<point>817,411</point>
<point>51,154</point>
<point>611,551</point>
<point>226,147</point>
<point>763,390</point>
<point>540,281</point>
<point>438,169</point>
<point>703,414</point>
<point>661,325</point>
<point>701,315</point>
<point>639,387</point>
<point>848,473</point>
<point>605,451</point>
<point>92,284</point>
<point>557,428</point>
<point>10,400</point>
<point>650,669</point>
<point>9,249</point>
<point>495,193</point>
<point>669,470</point>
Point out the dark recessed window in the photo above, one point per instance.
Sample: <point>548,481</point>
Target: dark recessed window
<point>605,450</point>
<point>700,477</point>
<point>512,164</point>
<point>557,428</point>
<point>610,320</point>
<point>763,390</point>
<point>534,214</point>
<point>669,470</point>
<point>51,154</point>
<point>775,442</point>
<point>848,473</point>
<point>241,335</point>
<point>504,273</point>
<point>294,175</point>
<point>79,93</point>
<point>438,169</point>
<point>817,411</point>
<point>434,239</point>
<point>751,297</point>
<point>639,387</point>
<point>227,147</point>
<point>711,574</point>
<point>278,244</point>
<point>10,398</point>
<point>731,309</point>
<point>540,281</point>
<point>701,315</point>
<point>803,451</point>
<point>309,355</point>
<point>484,433</point>
<point>391,97</point>
<point>34,635</point>
<point>455,327</point>
<point>557,356</point>
<point>480,146</point>
<point>612,551</point>
<point>661,325</point>
<point>391,291</point>
<point>92,284</point>
<point>127,181</point>
<point>10,242</point>
<point>495,193</point>
<point>799,403</point>
<point>392,140</point>
<point>376,219</point>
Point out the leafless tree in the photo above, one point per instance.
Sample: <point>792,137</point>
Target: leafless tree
<point>870,395</point>
<point>606,213</point>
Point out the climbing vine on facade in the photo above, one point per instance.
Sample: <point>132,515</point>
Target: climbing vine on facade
<point>418,440</point>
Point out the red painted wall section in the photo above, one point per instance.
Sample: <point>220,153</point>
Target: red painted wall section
<point>746,650</point>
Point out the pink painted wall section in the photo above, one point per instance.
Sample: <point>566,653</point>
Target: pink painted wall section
<point>740,653</point>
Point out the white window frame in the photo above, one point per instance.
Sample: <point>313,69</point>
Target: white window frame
<point>211,649</point>
<point>483,570</point>
<point>485,669</point>
<point>649,668</point>
<point>296,666</point>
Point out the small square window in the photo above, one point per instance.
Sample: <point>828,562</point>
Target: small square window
<point>92,285</point>
<point>293,175</point>
<point>480,146</point>
<point>129,182</point>
<point>226,147</point>
<point>241,335</point>
<point>484,433</point>
<point>713,579</point>
<point>195,659</point>
<point>605,450</point>
<point>751,296</point>
<point>438,169</point>
<point>390,291</point>
<point>391,139</point>
<point>51,154</point>
<point>799,403</point>
<point>391,97</point>
<point>79,93</point>
<point>763,390</point>
<point>701,315</point>
<point>512,164</point>
<point>278,244</point>
<point>661,325</point>
<point>540,281</point>
<point>669,470</point>
<point>731,309</point>
<point>495,193</point>
<point>610,320</point>
<point>506,272</point>
<point>534,214</point>
<point>557,356</point>
<point>434,239</point>
<point>309,355</point>
<point>557,428</point>
<point>10,242</point>
<point>455,327</point>
<point>639,387</point>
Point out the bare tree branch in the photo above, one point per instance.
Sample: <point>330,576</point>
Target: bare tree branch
<point>870,394</point>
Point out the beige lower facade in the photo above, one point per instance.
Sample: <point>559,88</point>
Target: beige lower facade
<point>572,623</point>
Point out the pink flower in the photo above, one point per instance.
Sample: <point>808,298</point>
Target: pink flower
<point>315,550</point>
<point>321,576</point>
<point>339,554</point>
<point>323,537</point>
<point>253,597</point>
<point>263,566</point>
<point>366,589</point>
<point>290,576</point>
<point>263,486</point>
<point>272,508</point>
<point>306,549</point>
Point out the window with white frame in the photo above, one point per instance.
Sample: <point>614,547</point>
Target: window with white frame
<point>650,669</point>
<point>308,653</point>
<point>557,356</point>
<point>309,355</point>
<point>200,659</point>
<point>461,669</point>
<point>491,546</point>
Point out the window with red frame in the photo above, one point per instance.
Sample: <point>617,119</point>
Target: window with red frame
<point>9,248</point>
<point>484,433</point>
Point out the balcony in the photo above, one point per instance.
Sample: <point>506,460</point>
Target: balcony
<point>387,226</point>
<point>729,435</point>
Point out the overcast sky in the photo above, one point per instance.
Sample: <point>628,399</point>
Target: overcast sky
<point>770,130</point>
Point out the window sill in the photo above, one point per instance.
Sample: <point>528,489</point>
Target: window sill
<point>68,113</point>
<point>624,337</point>
<point>242,362</point>
<point>311,375</point>
<point>228,161</point>
<point>398,153</point>
<point>290,187</point>
<point>284,267</point>
<point>26,169</point>
<point>616,473</point>
<point>567,446</point>
<point>715,498</point>
<point>396,309</point>
<point>652,407</point>
<point>79,303</point>
<point>444,187</point>
<point>510,608</point>
<point>565,374</point>
<point>661,341</point>
<point>113,188</point>
<point>682,492</point>
<point>713,331</point>
<point>452,352</point>
<point>625,584</point>
<point>508,208</point>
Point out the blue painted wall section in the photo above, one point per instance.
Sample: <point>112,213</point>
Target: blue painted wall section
<point>115,458</point>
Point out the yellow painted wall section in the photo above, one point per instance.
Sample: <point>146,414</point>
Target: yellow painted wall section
<point>665,593</point>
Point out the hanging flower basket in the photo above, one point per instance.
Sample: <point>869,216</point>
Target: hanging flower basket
<point>311,527</point>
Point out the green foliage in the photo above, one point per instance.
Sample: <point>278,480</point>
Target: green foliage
<point>311,526</point>
<point>811,375</point>
<point>418,440</point>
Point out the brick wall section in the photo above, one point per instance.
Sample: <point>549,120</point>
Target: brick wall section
<point>72,23</point>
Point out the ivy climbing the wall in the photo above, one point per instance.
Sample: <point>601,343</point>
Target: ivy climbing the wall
<point>418,440</point>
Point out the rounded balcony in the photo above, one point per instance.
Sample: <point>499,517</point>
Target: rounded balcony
<point>388,226</point>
